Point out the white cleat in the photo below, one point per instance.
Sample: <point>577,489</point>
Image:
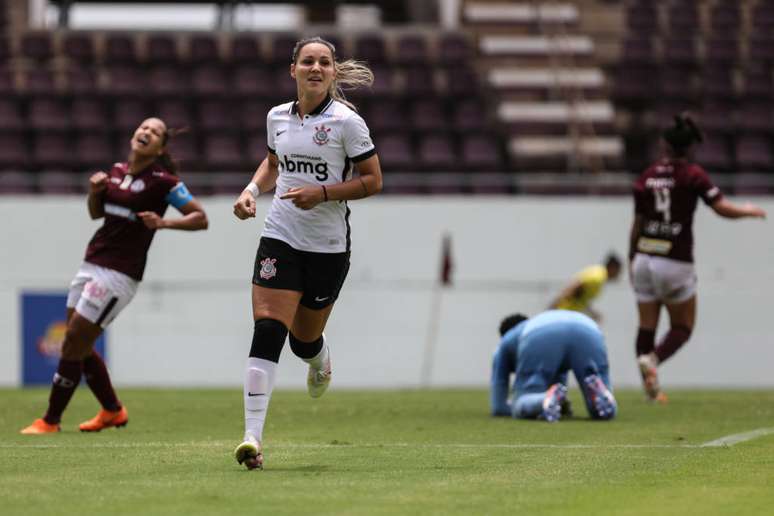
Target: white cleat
<point>317,380</point>
<point>249,453</point>
<point>649,372</point>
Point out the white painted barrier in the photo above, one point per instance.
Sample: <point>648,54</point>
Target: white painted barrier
<point>190,324</point>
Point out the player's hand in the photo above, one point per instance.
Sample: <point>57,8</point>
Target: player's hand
<point>98,182</point>
<point>244,207</point>
<point>755,211</point>
<point>305,198</point>
<point>151,219</point>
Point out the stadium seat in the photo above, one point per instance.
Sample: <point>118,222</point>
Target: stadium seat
<point>53,151</point>
<point>127,115</point>
<point>680,50</point>
<point>284,85</point>
<point>758,84</point>
<point>370,48</point>
<point>718,83</point>
<point>725,18</point>
<point>169,81</point>
<point>5,49</point>
<point>253,81</point>
<point>637,50</point>
<point>94,151</point>
<point>223,153</point>
<point>678,83</point>
<point>256,148</point>
<point>760,47</point>
<point>642,18</point>
<point>755,117</point>
<point>184,150</point>
<point>245,49</point>
<point>37,46</point>
<point>462,82</point>
<point>79,48</point>
<point>395,153</point>
<point>13,152</point>
<point>419,82</point>
<point>481,154</point>
<point>753,153</point>
<point>721,50</point>
<point>161,49</point>
<point>387,115</point>
<point>210,80</point>
<point>436,152</point>
<point>89,114</point>
<point>58,182</point>
<point>714,155</point>
<point>203,49</point>
<point>252,116</point>
<point>683,18</point>
<point>454,49</point>
<point>120,49</point>
<point>125,81</point>
<point>412,50</point>
<point>48,114</point>
<point>428,115</point>
<point>469,115</point>
<point>10,115</point>
<point>175,113</point>
<point>281,50</point>
<point>13,182</point>
<point>7,82</point>
<point>40,82</point>
<point>218,115</point>
<point>80,81</point>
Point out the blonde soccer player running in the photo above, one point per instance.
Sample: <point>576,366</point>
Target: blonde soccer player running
<point>315,144</point>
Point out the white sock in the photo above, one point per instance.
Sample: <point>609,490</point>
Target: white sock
<point>318,361</point>
<point>259,383</point>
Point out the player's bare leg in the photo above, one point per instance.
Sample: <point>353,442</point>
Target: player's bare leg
<point>647,361</point>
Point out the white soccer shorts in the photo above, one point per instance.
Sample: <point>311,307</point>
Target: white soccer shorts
<point>656,278</point>
<point>99,294</point>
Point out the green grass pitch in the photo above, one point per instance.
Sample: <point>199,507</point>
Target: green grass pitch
<point>389,452</point>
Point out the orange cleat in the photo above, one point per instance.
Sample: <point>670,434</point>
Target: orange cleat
<point>105,419</point>
<point>39,426</point>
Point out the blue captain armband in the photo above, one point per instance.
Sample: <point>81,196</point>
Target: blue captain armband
<point>179,196</point>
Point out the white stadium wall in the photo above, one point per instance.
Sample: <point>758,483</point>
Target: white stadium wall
<point>190,323</point>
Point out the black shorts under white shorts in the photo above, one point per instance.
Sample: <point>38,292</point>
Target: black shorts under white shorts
<point>319,276</point>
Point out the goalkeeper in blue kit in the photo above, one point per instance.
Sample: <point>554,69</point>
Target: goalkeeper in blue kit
<point>541,351</point>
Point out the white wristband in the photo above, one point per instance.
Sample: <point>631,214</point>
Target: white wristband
<point>253,189</point>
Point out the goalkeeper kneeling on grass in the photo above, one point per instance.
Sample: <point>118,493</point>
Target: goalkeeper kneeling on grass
<point>541,351</point>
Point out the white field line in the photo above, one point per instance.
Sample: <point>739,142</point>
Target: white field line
<point>730,440</point>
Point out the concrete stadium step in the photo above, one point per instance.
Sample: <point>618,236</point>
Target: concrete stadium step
<point>500,45</point>
<point>536,146</point>
<point>531,78</point>
<point>556,112</point>
<point>520,13</point>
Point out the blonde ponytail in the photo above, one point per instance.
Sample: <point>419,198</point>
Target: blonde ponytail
<point>350,74</point>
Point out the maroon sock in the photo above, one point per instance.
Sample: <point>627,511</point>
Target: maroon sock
<point>98,380</point>
<point>646,341</point>
<point>66,380</point>
<point>672,341</point>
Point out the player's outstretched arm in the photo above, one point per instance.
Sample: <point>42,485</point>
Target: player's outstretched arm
<point>264,179</point>
<point>96,202</point>
<point>729,210</point>
<point>194,218</point>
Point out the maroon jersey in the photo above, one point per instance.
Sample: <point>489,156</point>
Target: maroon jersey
<point>665,196</point>
<point>123,240</point>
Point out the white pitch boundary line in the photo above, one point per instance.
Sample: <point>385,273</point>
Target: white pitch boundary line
<point>730,440</point>
<point>726,441</point>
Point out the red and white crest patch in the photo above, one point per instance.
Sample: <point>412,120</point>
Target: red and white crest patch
<point>268,270</point>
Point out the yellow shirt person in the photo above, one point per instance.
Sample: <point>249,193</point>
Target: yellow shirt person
<point>586,286</point>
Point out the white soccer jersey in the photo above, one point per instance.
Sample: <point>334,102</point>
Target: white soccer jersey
<point>318,149</point>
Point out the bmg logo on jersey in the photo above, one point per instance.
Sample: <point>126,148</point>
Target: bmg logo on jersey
<point>299,164</point>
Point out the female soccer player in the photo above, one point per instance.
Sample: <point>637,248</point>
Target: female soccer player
<point>661,246</point>
<point>132,198</point>
<point>303,255</point>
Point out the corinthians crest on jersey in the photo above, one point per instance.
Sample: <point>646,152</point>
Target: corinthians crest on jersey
<point>319,148</point>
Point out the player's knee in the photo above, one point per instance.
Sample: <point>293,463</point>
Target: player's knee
<point>268,338</point>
